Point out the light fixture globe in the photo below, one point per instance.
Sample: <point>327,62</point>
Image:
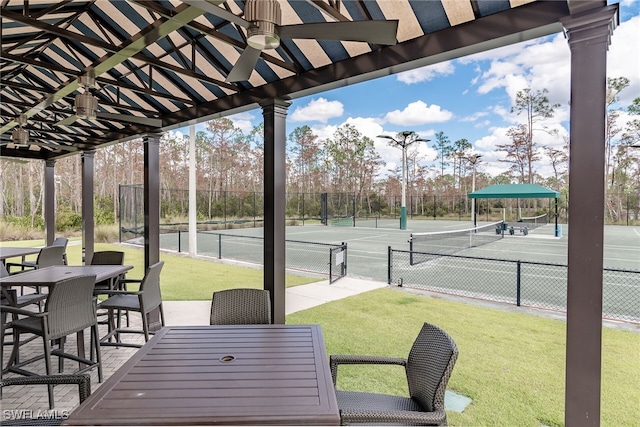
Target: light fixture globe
<point>86,106</point>
<point>264,16</point>
<point>20,136</point>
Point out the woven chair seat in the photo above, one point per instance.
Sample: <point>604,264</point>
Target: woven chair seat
<point>427,368</point>
<point>361,407</point>
<point>123,302</point>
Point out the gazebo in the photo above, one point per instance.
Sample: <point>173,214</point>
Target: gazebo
<point>518,191</point>
<point>80,75</point>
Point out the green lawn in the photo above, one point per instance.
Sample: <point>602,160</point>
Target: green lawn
<point>511,365</point>
<point>183,278</point>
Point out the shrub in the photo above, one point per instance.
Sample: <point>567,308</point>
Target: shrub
<point>106,234</point>
<point>68,221</point>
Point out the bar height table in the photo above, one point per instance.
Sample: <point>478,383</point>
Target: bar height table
<point>219,375</point>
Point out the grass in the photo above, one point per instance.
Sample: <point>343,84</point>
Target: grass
<point>183,278</point>
<point>511,365</point>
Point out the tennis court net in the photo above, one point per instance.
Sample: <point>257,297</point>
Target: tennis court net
<point>535,221</point>
<point>450,242</point>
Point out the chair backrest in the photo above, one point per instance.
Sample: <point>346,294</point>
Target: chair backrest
<point>50,255</point>
<point>150,287</point>
<point>60,241</point>
<point>3,270</point>
<point>241,306</point>
<point>70,306</point>
<point>429,367</point>
<point>107,258</point>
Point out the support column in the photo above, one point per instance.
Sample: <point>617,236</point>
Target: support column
<point>193,217</point>
<point>589,35</point>
<point>49,202</point>
<point>151,199</point>
<point>151,144</point>
<point>87,206</point>
<point>274,112</point>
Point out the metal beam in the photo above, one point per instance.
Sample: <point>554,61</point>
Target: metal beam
<point>143,39</point>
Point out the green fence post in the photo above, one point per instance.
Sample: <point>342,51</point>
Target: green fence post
<point>518,282</point>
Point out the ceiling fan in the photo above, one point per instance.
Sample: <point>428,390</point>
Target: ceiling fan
<point>264,31</point>
<point>86,107</point>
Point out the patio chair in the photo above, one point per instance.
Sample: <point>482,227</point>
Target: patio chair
<point>427,368</point>
<point>241,306</point>
<point>46,257</point>
<point>10,297</point>
<point>70,308</point>
<point>106,258</point>
<point>143,301</point>
<point>84,390</point>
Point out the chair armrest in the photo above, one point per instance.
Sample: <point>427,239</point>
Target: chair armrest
<point>19,264</point>
<point>347,359</point>
<point>130,280</point>
<point>15,310</point>
<point>119,292</point>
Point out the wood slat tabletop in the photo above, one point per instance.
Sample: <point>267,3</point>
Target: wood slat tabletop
<point>220,375</point>
<point>48,276</point>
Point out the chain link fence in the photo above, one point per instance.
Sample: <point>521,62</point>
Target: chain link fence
<point>533,284</point>
<point>324,260</point>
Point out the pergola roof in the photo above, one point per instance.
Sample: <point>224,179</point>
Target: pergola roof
<point>515,191</point>
<point>164,63</point>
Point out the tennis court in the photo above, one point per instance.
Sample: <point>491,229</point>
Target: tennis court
<point>489,271</point>
<point>368,247</point>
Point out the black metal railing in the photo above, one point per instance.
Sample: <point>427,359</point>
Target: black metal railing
<point>523,283</point>
<point>318,259</point>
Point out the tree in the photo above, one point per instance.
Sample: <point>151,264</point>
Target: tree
<point>559,158</point>
<point>518,152</point>
<point>304,150</point>
<point>536,107</point>
<point>444,148</point>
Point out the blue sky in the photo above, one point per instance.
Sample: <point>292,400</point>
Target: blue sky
<point>470,97</point>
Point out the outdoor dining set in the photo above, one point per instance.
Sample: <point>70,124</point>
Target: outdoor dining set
<point>239,370</point>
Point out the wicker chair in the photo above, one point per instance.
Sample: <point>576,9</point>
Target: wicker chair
<point>70,308</point>
<point>241,306</point>
<point>84,390</point>
<point>106,258</point>
<point>48,256</point>
<point>428,369</point>
<point>143,301</point>
<point>10,297</point>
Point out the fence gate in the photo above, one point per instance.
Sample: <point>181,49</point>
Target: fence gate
<point>337,262</point>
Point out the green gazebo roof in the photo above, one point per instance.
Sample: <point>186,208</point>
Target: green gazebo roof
<point>515,191</point>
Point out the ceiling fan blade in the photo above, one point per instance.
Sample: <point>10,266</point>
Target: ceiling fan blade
<point>374,32</point>
<point>213,8</point>
<point>147,121</point>
<point>69,120</point>
<point>245,65</point>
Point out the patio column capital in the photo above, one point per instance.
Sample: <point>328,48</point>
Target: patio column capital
<point>591,27</point>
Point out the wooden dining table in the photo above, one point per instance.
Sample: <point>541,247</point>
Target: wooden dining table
<point>49,276</point>
<point>219,375</point>
<point>14,252</point>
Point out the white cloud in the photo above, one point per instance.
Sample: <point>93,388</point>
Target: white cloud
<point>318,110</point>
<point>243,121</point>
<point>418,113</point>
<point>624,58</point>
<point>475,116</point>
<point>427,73</point>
